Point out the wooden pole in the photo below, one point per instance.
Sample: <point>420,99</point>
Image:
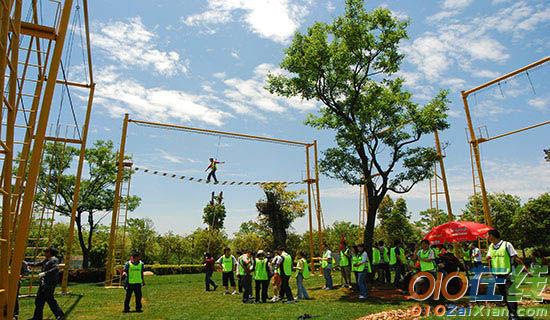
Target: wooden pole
<point>116,204</point>
<point>318,198</point>
<point>310,214</point>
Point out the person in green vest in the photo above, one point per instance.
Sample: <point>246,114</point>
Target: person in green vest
<point>302,272</point>
<point>240,271</point>
<point>228,265</point>
<point>261,277</point>
<point>426,256</point>
<point>326,265</point>
<point>361,266</point>
<point>345,266</point>
<point>384,265</point>
<point>375,264</point>
<point>133,272</point>
<point>397,262</point>
<point>286,273</point>
<point>500,256</point>
<point>213,167</point>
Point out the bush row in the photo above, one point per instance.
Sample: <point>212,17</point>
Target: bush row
<point>97,275</point>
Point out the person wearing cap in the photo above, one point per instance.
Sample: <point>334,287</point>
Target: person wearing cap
<point>48,281</point>
<point>133,272</point>
<point>261,276</point>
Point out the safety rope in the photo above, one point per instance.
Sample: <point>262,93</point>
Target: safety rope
<point>222,183</point>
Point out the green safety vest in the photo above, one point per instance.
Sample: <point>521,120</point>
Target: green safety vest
<point>375,255</point>
<point>240,268</point>
<point>385,255</point>
<point>324,263</point>
<point>134,273</point>
<point>393,255</point>
<point>227,263</point>
<point>287,264</point>
<point>500,259</point>
<point>344,260</point>
<point>305,269</point>
<point>426,266</point>
<point>436,251</point>
<point>214,166</point>
<point>354,260</point>
<point>467,255</point>
<point>260,271</point>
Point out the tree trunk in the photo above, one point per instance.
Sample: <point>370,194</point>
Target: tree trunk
<point>368,237</point>
<point>85,250</point>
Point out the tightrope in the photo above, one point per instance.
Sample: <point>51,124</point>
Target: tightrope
<point>222,183</point>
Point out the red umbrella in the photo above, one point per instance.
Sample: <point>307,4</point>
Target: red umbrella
<point>457,231</point>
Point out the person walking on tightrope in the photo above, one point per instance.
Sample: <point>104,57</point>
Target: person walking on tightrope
<point>48,280</point>
<point>500,256</point>
<point>133,272</point>
<point>213,167</point>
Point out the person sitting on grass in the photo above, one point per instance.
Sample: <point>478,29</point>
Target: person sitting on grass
<point>213,167</point>
<point>228,263</point>
<point>302,272</point>
<point>133,272</point>
<point>261,277</point>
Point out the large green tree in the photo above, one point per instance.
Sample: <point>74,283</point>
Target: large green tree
<point>395,224</point>
<point>279,209</point>
<point>503,209</point>
<point>142,236</point>
<point>532,223</point>
<point>57,182</point>
<point>214,212</point>
<point>430,218</point>
<point>349,65</point>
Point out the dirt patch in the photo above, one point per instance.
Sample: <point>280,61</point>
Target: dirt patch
<point>400,314</point>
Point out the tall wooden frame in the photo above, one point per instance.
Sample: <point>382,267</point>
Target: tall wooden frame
<point>312,181</point>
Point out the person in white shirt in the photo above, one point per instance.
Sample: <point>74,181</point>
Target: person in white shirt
<point>326,265</point>
<point>475,255</point>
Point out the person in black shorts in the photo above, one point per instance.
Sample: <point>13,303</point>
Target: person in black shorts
<point>228,264</point>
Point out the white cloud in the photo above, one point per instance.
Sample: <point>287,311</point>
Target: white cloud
<point>119,95</point>
<point>131,43</point>
<point>235,54</point>
<point>219,75</point>
<point>248,95</point>
<point>455,4</point>
<point>272,19</point>
<point>484,73</point>
<point>540,103</point>
<point>174,158</point>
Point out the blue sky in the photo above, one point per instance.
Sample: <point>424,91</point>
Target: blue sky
<point>203,63</point>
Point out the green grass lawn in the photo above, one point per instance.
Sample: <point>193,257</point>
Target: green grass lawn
<point>183,297</point>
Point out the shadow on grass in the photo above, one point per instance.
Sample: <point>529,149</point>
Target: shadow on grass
<point>70,304</point>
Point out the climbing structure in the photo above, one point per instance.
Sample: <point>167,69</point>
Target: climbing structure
<point>438,183</point>
<point>125,170</point>
<point>32,50</point>
<point>476,139</point>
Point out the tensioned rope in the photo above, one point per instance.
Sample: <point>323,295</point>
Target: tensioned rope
<point>221,183</point>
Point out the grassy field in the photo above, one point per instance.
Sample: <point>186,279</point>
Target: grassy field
<point>183,297</point>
